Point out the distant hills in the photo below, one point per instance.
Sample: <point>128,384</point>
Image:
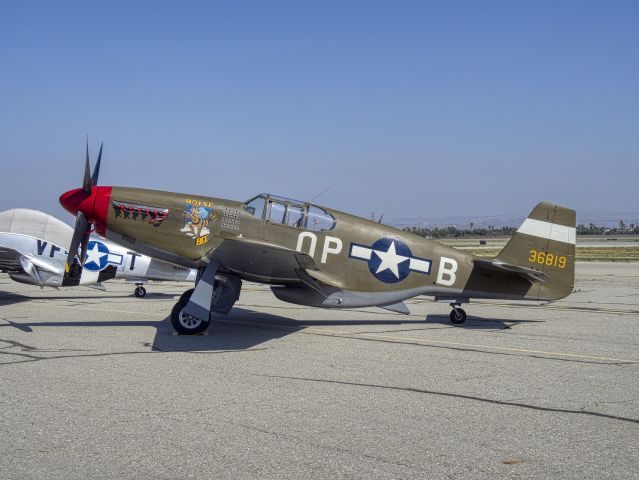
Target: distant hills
<point>606,220</point>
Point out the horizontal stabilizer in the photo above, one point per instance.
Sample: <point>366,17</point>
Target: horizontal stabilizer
<point>530,274</point>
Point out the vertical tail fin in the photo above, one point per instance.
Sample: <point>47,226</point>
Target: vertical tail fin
<point>546,242</point>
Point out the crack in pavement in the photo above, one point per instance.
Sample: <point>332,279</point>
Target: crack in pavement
<point>13,343</point>
<point>563,338</point>
<point>25,348</point>
<point>254,428</point>
<point>30,348</point>
<point>465,397</point>
<point>17,354</point>
<point>400,330</point>
<point>320,445</point>
<point>155,351</point>
<point>418,343</point>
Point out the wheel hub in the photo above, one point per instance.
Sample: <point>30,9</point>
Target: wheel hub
<point>188,321</point>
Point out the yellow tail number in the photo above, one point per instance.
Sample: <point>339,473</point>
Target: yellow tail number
<point>548,259</point>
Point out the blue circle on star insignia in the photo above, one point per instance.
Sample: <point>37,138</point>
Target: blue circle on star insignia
<point>390,260</point>
<point>97,256</point>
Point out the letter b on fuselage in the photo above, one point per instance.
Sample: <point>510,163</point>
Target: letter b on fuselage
<point>447,272</point>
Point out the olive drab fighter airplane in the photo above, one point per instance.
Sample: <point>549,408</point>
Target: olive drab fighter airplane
<point>316,256</point>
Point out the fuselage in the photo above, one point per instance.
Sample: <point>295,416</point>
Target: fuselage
<point>348,252</point>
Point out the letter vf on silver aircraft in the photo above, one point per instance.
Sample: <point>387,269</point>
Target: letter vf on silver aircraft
<point>33,250</point>
<point>316,256</point>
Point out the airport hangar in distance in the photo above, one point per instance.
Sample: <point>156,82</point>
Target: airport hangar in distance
<point>313,255</point>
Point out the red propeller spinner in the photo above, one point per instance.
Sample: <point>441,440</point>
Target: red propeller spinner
<point>94,205</point>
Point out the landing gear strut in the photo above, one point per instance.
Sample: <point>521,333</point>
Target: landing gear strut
<point>139,291</point>
<point>457,315</point>
<point>212,294</point>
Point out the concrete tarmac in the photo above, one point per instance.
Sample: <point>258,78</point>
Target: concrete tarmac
<point>96,385</point>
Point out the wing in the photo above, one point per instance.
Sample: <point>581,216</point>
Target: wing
<point>10,259</point>
<point>15,261</point>
<point>262,261</point>
<point>266,262</point>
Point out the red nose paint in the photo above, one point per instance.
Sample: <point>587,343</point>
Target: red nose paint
<point>94,205</point>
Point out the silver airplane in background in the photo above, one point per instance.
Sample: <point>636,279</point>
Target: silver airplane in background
<point>34,248</point>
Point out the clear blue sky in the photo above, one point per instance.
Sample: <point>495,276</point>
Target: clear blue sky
<point>431,109</point>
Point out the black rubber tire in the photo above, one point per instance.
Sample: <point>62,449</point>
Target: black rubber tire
<point>186,326</point>
<point>188,293</point>
<point>457,316</point>
<point>140,292</point>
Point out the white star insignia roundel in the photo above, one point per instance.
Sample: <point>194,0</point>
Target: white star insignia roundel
<point>98,257</point>
<point>390,260</point>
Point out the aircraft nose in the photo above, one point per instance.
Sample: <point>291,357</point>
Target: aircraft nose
<point>74,200</point>
<point>95,205</point>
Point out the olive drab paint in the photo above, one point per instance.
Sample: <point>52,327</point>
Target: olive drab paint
<point>319,256</point>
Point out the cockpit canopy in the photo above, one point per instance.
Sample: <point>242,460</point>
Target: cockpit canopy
<point>293,213</point>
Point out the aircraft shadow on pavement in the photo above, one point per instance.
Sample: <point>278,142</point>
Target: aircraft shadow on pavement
<point>225,333</point>
<point>10,298</point>
<point>478,323</point>
<point>221,336</point>
<point>242,329</point>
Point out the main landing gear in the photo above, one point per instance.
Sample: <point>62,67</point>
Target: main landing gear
<point>457,314</point>
<point>212,294</point>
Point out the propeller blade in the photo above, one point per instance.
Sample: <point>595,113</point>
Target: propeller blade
<point>86,182</point>
<point>81,226</point>
<point>96,170</point>
<point>84,244</point>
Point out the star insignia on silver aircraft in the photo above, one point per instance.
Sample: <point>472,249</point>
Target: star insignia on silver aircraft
<point>390,260</point>
<point>98,256</point>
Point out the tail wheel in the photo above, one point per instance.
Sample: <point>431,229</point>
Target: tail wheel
<point>457,316</point>
<point>140,292</point>
<point>185,324</point>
